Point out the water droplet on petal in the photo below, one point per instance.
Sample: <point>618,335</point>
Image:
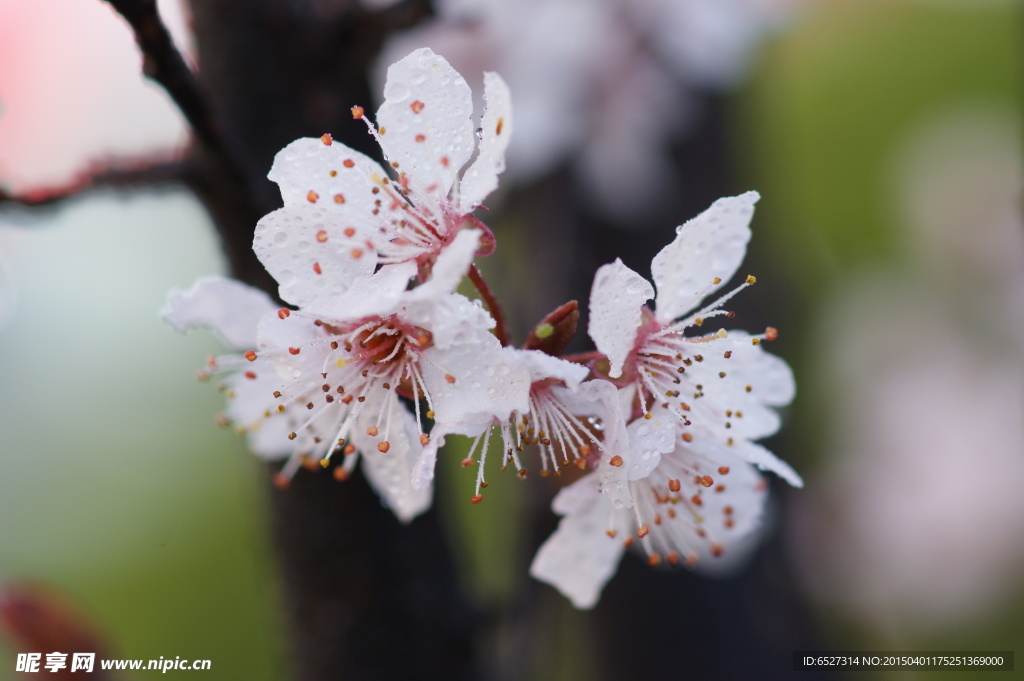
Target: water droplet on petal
<point>397,92</point>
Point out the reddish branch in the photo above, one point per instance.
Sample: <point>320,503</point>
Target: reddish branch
<point>113,174</point>
<point>500,327</point>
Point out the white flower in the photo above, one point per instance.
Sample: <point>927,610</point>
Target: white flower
<point>684,480</point>
<point>347,215</point>
<point>320,383</point>
<point>723,381</point>
<point>699,501</point>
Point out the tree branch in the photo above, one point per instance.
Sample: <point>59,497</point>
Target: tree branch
<point>162,62</point>
<point>113,174</point>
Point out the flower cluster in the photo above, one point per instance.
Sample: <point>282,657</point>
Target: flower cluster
<point>376,358</point>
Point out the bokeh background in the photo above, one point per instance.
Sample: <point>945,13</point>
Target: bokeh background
<point>884,137</point>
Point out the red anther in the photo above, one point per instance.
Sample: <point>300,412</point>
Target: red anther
<point>339,198</point>
<point>627,542</point>
<point>449,378</point>
<point>356,253</point>
<point>684,406</point>
<point>653,559</point>
<point>250,355</point>
<point>716,550</point>
<point>372,431</point>
<point>584,450</point>
<point>284,313</point>
<point>642,532</point>
<point>499,126</point>
<point>383,447</point>
<point>581,463</point>
<point>771,333</point>
<point>294,351</point>
<point>672,558</point>
<point>424,439</point>
<point>477,499</point>
<point>611,533</point>
<point>728,523</point>
<point>312,196</point>
<point>723,470</point>
<point>250,375</point>
<point>281,481</point>
<point>417,106</point>
<point>327,139</point>
<point>321,236</point>
<point>316,268</point>
<point>340,474</point>
<point>720,488</point>
<point>616,461</point>
<point>444,161</point>
<point>348,163</point>
<point>350,232</point>
<point>687,437</point>
<point>707,481</point>
<point>349,449</point>
<point>674,485</point>
<point>727,510</point>
<point>358,112</point>
<point>468,461</point>
<point>696,500</point>
<point>691,560</point>
<point>292,436</point>
<point>421,138</point>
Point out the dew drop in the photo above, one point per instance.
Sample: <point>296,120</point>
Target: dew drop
<point>479,133</point>
<point>397,92</point>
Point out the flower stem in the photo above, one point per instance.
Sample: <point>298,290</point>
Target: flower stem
<point>500,327</point>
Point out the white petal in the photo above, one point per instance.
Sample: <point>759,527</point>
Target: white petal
<point>601,399</point>
<point>379,294</point>
<point>390,473</point>
<point>450,318</point>
<point>305,249</point>
<point>769,378</point>
<point>767,461</point>
<point>423,470</point>
<point>729,511</point>
<point>541,366</point>
<point>426,99</point>
<point>249,403</point>
<point>276,335</point>
<point>709,246</point>
<point>473,379</point>
<point>229,307</point>
<point>649,439</point>
<point>481,178</point>
<point>451,266</point>
<point>306,165</point>
<point>580,557</point>
<point>616,303</point>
